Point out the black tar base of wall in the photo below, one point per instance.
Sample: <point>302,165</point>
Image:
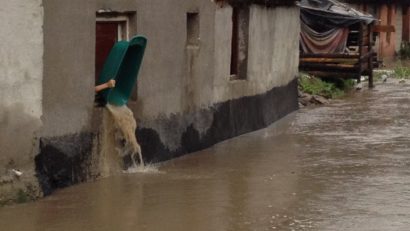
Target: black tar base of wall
<point>230,119</point>
<point>64,161</point>
<point>67,160</point>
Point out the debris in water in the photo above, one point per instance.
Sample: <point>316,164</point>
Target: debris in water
<point>384,78</point>
<point>17,172</point>
<point>359,86</point>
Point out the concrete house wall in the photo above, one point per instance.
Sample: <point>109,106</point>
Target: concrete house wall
<point>199,110</point>
<point>185,98</point>
<point>21,75</point>
<point>69,32</point>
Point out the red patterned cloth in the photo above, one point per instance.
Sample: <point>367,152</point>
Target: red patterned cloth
<point>328,42</point>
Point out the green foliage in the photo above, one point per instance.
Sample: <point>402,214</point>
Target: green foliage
<point>2,203</point>
<point>402,72</point>
<point>405,50</point>
<point>316,86</point>
<point>22,197</point>
<point>343,84</point>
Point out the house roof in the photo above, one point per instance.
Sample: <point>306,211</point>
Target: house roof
<point>333,9</point>
<point>268,3</point>
<point>378,1</point>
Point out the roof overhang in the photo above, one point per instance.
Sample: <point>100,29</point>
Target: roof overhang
<point>335,8</point>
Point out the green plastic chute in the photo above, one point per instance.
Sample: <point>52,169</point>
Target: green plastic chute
<point>123,64</point>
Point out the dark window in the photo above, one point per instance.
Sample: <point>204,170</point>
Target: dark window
<point>193,29</point>
<point>106,37</point>
<point>235,42</point>
<point>239,43</point>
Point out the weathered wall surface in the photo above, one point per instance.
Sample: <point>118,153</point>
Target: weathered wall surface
<point>69,38</point>
<point>185,99</point>
<point>399,27</point>
<point>219,108</point>
<point>66,138</point>
<point>117,5</point>
<point>165,89</point>
<point>163,80</point>
<point>21,74</point>
<point>273,54</point>
<point>274,47</point>
<point>387,47</point>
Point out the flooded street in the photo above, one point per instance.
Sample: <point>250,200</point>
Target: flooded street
<point>344,166</point>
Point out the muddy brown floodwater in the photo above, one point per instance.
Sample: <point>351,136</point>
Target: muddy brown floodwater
<point>345,166</point>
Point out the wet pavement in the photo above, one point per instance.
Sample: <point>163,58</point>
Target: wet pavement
<point>344,166</point>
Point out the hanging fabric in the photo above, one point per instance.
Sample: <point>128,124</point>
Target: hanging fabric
<point>327,42</point>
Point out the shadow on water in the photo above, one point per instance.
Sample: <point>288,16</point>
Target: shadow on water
<point>344,166</point>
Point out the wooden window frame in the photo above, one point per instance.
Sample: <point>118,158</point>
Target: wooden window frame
<point>123,25</point>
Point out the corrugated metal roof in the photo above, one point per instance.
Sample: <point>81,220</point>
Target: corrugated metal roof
<point>335,7</point>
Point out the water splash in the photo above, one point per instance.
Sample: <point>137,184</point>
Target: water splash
<point>148,168</point>
<point>118,140</point>
<point>125,123</point>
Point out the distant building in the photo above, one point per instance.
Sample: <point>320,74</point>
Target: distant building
<point>212,71</point>
<point>394,24</point>
<point>336,40</point>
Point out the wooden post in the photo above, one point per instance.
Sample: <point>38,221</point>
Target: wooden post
<point>406,23</point>
<point>370,60</point>
<point>360,43</point>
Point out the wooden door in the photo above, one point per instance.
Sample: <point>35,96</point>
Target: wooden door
<point>106,37</point>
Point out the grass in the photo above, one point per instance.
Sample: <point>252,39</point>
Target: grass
<point>402,72</point>
<point>19,197</point>
<point>332,88</point>
<point>22,197</point>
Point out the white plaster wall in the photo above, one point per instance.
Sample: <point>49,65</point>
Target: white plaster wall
<point>272,58</point>
<point>273,52</point>
<point>21,63</point>
<point>163,79</point>
<point>273,46</point>
<point>69,54</point>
